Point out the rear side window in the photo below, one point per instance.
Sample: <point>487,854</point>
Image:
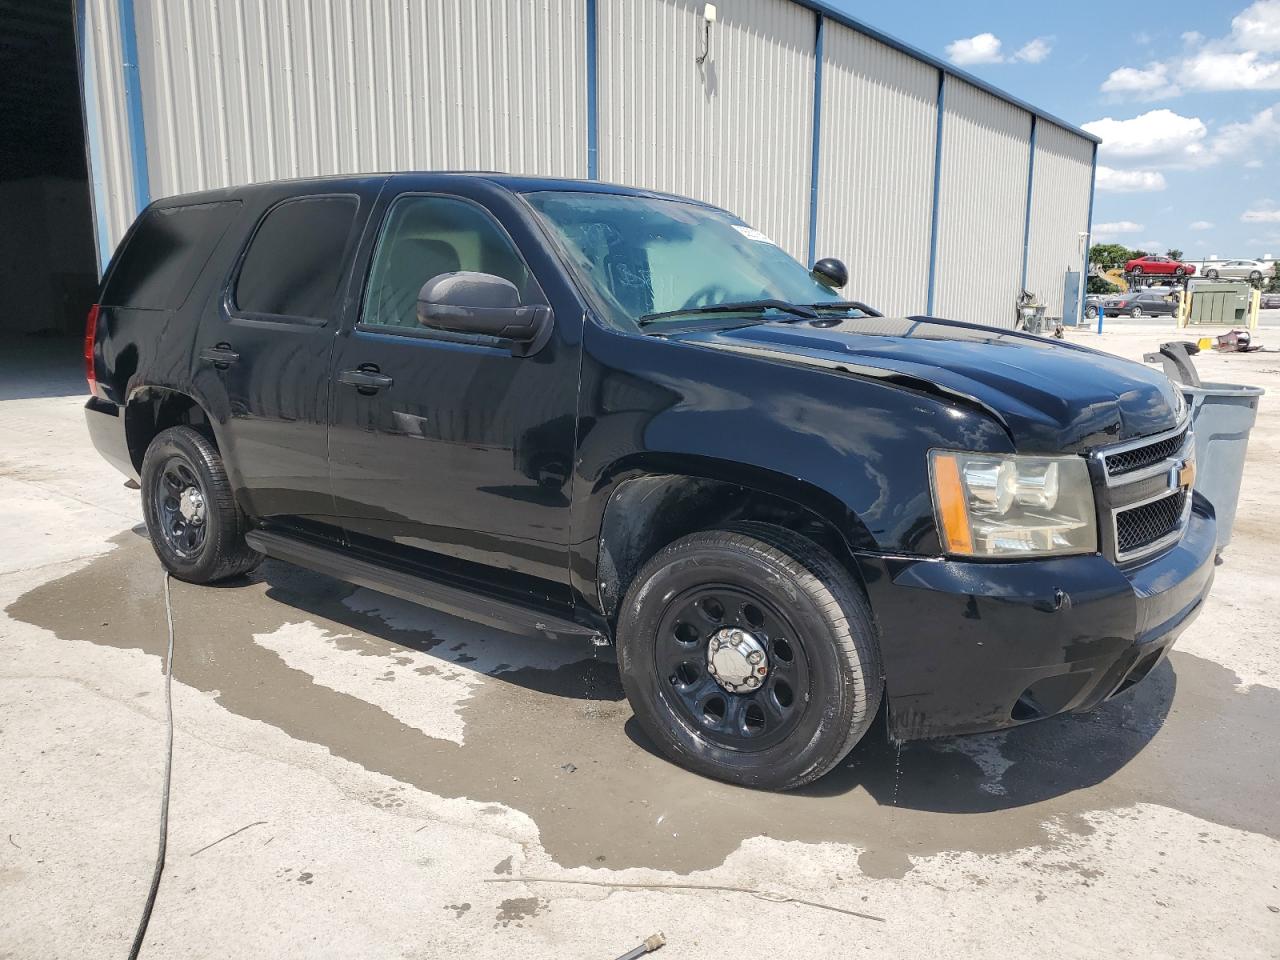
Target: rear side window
<point>166,252</point>
<point>295,261</point>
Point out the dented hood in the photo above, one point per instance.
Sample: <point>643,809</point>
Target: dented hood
<point>1049,395</point>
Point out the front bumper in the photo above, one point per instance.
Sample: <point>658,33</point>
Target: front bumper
<point>970,647</point>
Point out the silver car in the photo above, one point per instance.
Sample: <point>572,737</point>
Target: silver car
<point>1238,270</point>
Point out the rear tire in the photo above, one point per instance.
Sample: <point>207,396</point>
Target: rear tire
<point>196,528</point>
<point>1211,274</point>
<point>1090,312</point>
<point>792,607</point>
<point>1137,271</point>
<point>1135,312</point>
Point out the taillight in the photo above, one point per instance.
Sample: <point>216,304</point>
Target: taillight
<point>90,336</point>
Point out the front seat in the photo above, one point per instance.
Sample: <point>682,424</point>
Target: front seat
<point>413,262</point>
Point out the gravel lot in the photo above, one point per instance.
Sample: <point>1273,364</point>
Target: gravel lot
<point>356,776</point>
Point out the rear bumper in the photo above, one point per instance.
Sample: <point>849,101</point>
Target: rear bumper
<point>971,647</point>
<point>105,421</point>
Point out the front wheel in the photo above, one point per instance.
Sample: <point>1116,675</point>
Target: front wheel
<point>1255,276</point>
<point>196,528</point>
<point>1180,272</point>
<point>749,655</point>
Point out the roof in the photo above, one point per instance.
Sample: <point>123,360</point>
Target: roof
<point>852,22</point>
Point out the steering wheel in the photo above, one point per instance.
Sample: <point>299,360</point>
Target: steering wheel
<point>711,294</point>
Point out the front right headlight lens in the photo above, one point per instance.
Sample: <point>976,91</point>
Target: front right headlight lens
<point>1004,505</point>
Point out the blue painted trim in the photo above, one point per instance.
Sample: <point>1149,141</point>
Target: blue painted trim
<point>1026,227</point>
<point>593,116</point>
<point>133,105</point>
<point>853,23</point>
<point>92,140</point>
<point>937,190</point>
<point>817,141</point>
<point>1088,244</point>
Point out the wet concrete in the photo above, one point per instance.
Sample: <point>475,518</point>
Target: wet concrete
<point>560,745</point>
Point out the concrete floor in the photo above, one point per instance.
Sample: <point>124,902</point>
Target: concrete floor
<point>356,776</point>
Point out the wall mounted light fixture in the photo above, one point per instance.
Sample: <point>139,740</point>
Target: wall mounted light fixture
<point>708,18</point>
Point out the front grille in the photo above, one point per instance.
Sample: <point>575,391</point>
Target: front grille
<point>1140,526</point>
<point>1139,457</point>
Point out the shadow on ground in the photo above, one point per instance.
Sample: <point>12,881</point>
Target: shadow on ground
<point>548,733</point>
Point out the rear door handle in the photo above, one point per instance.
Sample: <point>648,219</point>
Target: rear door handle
<point>221,356</point>
<point>367,378</point>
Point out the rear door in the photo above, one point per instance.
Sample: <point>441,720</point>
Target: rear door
<point>460,461</point>
<point>262,353</point>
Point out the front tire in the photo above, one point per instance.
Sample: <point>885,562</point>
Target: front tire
<point>749,655</point>
<point>196,528</point>
<point>1180,272</point>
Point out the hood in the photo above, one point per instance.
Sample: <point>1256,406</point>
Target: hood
<point>1049,395</point>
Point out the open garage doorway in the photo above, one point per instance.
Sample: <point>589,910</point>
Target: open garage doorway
<point>48,265</point>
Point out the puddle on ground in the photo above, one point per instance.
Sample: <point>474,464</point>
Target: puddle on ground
<point>559,744</point>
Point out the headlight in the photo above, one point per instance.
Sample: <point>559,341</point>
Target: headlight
<point>1000,505</point>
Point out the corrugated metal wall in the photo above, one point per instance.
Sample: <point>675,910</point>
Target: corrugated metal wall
<point>669,124</point>
<point>1059,211</point>
<point>986,146</point>
<point>237,91</point>
<point>107,128</point>
<point>879,120</point>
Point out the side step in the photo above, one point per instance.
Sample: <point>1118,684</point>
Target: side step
<point>453,600</point>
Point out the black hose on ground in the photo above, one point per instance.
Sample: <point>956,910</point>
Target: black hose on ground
<point>168,769</point>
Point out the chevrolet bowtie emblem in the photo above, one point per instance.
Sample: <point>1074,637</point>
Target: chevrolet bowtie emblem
<point>1183,475</point>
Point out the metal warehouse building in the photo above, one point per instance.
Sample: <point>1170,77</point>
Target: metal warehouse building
<point>942,194</point>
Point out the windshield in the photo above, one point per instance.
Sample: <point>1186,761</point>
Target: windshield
<point>645,256</point>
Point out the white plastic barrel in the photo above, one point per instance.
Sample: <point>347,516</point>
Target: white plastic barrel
<point>1222,414</point>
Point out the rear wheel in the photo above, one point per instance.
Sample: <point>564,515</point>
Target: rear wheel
<point>1090,312</point>
<point>1136,271</point>
<point>196,528</point>
<point>1211,274</point>
<point>749,655</point>
<point>1135,312</point>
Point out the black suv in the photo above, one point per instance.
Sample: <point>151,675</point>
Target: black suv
<point>575,409</point>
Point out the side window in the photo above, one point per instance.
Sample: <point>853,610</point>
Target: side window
<point>427,236</point>
<point>294,263</point>
<point>166,252</point>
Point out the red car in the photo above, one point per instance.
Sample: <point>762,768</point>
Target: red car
<point>1159,266</point>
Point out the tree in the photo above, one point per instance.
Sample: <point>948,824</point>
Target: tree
<point>1109,256</point>
<point>1173,253</point>
<point>1101,285</point>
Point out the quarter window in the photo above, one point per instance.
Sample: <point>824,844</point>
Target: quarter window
<point>166,253</point>
<point>427,236</point>
<point>295,261</point>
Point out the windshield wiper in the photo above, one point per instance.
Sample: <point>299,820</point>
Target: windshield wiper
<point>844,305</point>
<point>743,306</point>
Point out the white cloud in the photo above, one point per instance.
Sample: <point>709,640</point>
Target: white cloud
<point>1152,246</point>
<point>1192,37</point>
<point>1118,227</point>
<point>1129,181</point>
<point>1154,134</point>
<point>1257,27</point>
<point>1267,215</point>
<point>1244,70</point>
<point>1254,164</point>
<point>1034,51</point>
<point>1201,225</point>
<point>1149,83</point>
<point>983,48</point>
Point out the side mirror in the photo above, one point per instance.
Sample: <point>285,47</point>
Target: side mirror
<point>830,272</point>
<point>468,302</point>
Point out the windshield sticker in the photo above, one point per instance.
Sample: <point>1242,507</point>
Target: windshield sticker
<point>751,233</point>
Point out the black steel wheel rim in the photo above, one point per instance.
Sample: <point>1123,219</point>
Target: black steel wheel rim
<point>180,504</point>
<point>750,721</point>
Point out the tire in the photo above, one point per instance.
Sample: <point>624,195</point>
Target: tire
<point>1255,276</point>
<point>196,528</point>
<point>1211,274</point>
<point>1090,312</point>
<point>1135,312</point>
<point>1179,272</point>
<point>1137,271</point>
<point>807,619</point>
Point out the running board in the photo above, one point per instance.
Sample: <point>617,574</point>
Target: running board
<point>453,600</point>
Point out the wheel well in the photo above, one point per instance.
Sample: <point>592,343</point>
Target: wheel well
<point>647,513</point>
<point>153,409</point>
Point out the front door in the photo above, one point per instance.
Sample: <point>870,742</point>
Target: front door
<point>451,451</point>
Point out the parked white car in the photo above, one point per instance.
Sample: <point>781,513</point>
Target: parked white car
<point>1238,270</point>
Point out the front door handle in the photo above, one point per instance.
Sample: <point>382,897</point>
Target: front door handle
<point>221,356</point>
<point>366,378</point>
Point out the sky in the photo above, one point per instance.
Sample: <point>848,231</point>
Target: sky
<point>1187,103</point>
